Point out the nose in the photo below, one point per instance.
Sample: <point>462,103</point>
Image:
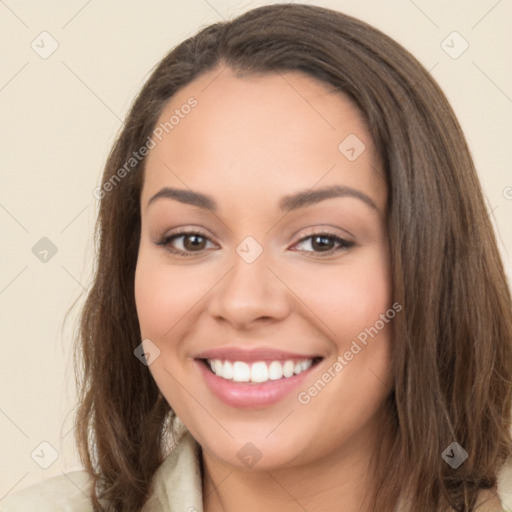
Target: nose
<point>249,294</point>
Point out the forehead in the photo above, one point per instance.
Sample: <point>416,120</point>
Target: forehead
<point>265,134</point>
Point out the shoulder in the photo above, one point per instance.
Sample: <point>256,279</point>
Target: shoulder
<point>63,493</point>
<point>176,486</point>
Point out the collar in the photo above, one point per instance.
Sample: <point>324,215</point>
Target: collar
<point>177,483</point>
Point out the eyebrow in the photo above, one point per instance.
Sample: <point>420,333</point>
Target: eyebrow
<point>287,203</point>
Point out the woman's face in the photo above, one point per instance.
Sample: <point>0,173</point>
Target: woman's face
<point>283,285</point>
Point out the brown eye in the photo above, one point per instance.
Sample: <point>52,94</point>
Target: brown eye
<point>322,243</point>
<point>194,242</point>
<point>325,243</point>
<point>185,243</point>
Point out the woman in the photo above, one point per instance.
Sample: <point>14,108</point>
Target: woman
<point>299,302</point>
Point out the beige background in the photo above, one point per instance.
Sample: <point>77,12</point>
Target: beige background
<point>60,116</point>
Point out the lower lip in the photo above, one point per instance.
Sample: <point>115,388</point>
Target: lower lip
<point>243,394</point>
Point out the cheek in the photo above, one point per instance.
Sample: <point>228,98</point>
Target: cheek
<point>350,298</point>
<point>164,294</point>
<point>352,302</point>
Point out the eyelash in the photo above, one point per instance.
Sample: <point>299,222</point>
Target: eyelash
<point>342,243</point>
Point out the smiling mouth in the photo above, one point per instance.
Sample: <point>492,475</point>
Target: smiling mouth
<point>258,372</point>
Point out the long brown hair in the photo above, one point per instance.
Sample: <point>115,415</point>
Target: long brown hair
<point>452,352</point>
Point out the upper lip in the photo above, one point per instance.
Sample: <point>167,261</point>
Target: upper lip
<point>254,354</point>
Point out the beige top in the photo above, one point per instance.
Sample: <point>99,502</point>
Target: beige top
<point>177,488</point>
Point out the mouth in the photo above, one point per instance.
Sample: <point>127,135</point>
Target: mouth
<point>255,382</point>
<point>258,372</point>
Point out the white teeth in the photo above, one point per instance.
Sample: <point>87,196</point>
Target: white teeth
<point>258,372</point>
<point>227,370</point>
<point>288,369</point>
<point>217,366</point>
<point>304,365</point>
<point>275,370</point>
<point>241,371</point>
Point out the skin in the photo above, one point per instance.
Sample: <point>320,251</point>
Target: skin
<point>250,141</point>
